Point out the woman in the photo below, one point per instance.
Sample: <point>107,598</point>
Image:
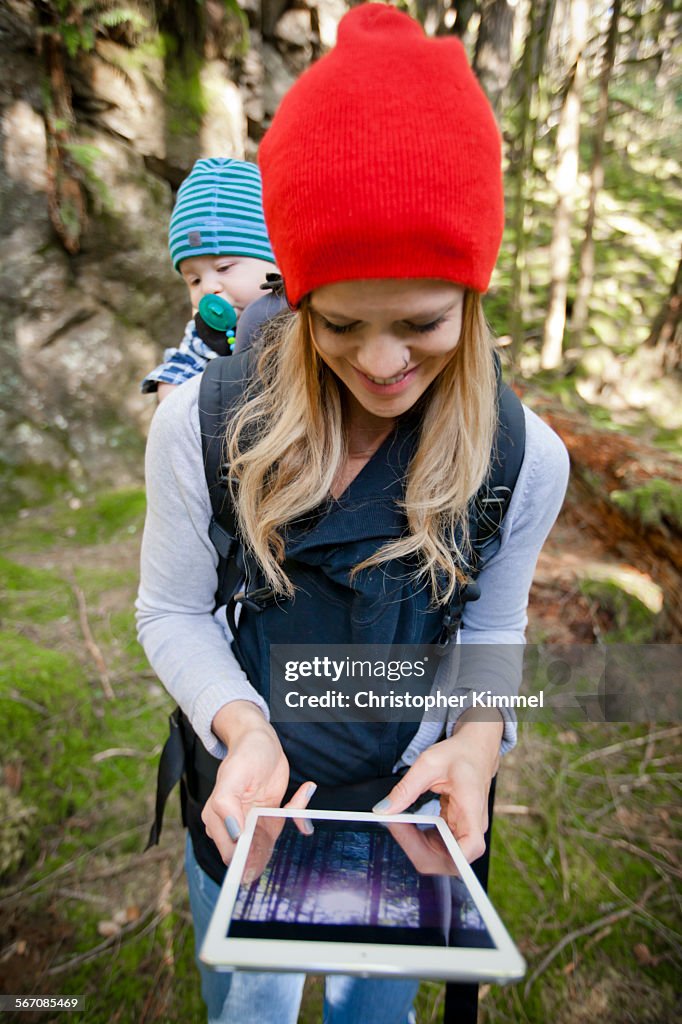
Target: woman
<point>354,457</point>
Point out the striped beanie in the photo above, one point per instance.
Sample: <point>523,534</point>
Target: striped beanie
<point>219,212</point>
<point>384,161</point>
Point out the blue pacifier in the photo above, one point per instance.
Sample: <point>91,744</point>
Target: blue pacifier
<point>215,323</point>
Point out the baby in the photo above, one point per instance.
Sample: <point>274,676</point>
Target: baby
<point>219,244</point>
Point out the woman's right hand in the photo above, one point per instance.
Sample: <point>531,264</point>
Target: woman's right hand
<point>255,772</point>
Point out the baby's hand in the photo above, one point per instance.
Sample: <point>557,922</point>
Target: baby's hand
<point>164,390</point>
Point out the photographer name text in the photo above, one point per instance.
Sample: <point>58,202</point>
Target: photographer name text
<point>367,699</point>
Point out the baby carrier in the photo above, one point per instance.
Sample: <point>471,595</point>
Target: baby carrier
<point>368,508</point>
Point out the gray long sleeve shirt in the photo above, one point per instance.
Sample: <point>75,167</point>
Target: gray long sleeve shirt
<point>187,643</point>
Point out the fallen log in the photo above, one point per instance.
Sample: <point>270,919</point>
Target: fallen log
<point>629,494</point>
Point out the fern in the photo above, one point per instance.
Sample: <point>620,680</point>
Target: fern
<point>123,16</point>
<point>79,22</point>
<point>85,157</point>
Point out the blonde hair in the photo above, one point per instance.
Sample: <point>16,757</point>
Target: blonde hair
<point>286,444</point>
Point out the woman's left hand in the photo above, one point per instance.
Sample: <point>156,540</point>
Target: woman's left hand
<point>460,769</point>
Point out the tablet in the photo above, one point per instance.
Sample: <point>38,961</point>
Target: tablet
<point>351,893</point>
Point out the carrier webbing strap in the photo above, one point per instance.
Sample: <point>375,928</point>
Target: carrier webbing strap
<point>171,769</point>
<point>223,384</point>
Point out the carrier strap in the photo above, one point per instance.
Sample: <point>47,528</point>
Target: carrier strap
<point>171,769</point>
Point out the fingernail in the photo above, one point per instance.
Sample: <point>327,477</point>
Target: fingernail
<point>382,806</point>
<point>233,829</point>
<point>310,791</point>
<point>308,828</point>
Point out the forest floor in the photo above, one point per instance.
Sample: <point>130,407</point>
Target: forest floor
<point>585,868</point>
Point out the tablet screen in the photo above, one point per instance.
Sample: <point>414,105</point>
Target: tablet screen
<point>355,882</point>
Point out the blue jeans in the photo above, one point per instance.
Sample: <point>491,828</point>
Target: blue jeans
<point>246,997</point>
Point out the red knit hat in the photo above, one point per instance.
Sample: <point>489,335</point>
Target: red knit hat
<point>383,160</point>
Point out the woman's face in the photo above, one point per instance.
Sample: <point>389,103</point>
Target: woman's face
<point>387,340</point>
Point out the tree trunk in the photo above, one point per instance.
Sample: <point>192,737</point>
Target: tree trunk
<point>664,32</point>
<point>465,10</point>
<point>527,85</point>
<point>565,182</point>
<point>271,12</point>
<point>666,332</point>
<point>635,37</point>
<point>492,60</point>
<point>586,268</point>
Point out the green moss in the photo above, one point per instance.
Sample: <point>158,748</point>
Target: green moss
<point>46,677</point>
<point>17,821</point>
<point>128,977</point>
<point>56,725</point>
<point>603,418</point>
<point>656,503</point>
<point>42,709</point>
<point>96,520</point>
<point>87,157</point>
<point>32,595</point>
<point>186,104</point>
<point>668,439</point>
<point>627,620</point>
<point>58,719</point>
<point>19,577</point>
<point>123,633</point>
<point>30,484</point>
<point>117,510</point>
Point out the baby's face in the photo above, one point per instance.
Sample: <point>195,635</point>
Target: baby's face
<point>235,278</point>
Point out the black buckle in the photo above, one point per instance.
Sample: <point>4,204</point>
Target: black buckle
<point>470,592</point>
<point>256,600</point>
<point>450,626</point>
<point>453,616</point>
<point>273,283</point>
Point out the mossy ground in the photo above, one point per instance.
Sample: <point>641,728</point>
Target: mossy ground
<point>626,618</point>
<point>658,503</point>
<point>584,839</point>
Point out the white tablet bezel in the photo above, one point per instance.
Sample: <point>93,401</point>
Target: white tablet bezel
<point>501,964</point>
